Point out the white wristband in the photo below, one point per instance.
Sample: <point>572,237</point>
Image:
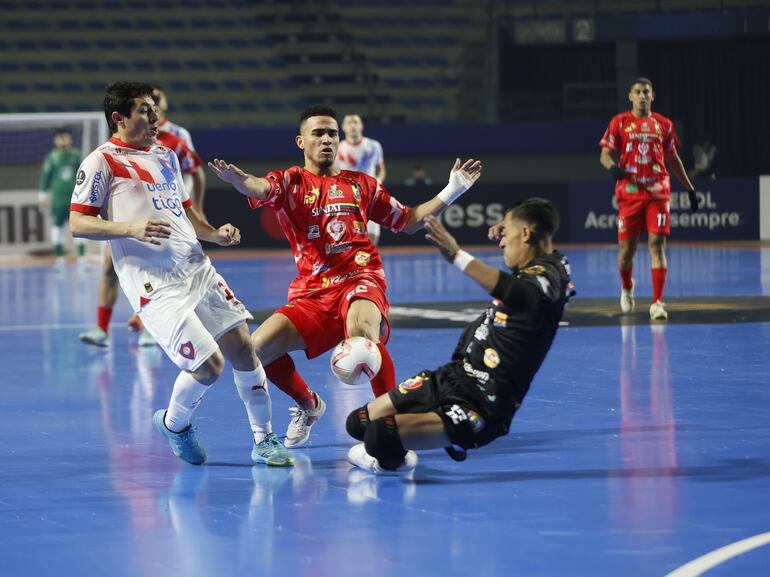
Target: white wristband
<point>462,260</point>
<point>455,188</point>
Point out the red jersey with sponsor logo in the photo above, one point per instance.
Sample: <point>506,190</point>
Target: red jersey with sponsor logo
<point>324,219</point>
<point>641,145</point>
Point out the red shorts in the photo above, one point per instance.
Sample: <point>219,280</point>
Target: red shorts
<point>320,316</point>
<point>636,216</point>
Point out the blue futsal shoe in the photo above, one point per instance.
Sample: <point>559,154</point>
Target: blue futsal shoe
<point>271,452</point>
<point>184,445</point>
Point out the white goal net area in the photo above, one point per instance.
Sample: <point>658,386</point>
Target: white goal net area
<point>25,141</point>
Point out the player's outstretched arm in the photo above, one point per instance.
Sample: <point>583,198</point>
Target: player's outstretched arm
<point>462,176</point>
<point>484,275</point>
<point>247,184</point>
<point>152,230</point>
<point>225,235</point>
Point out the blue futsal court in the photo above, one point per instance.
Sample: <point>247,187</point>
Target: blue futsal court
<point>640,448</point>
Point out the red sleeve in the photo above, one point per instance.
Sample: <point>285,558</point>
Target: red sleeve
<point>85,209</point>
<point>611,138</point>
<point>277,194</point>
<point>384,209</point>
<point>670,140</point>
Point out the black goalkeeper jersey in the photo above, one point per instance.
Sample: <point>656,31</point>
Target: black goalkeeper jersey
<point>502,350</point>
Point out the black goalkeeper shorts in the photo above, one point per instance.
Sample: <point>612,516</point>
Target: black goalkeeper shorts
<point>469,422</point>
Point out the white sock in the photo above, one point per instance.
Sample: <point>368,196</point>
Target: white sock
<point>252,388</point>
<point>185,398</point>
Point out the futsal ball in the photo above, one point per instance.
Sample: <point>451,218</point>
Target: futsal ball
<point>356,360</point>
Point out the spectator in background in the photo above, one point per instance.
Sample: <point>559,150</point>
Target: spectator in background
<point>704,156</point>
<point>419,177</point>
<point>56,183</point>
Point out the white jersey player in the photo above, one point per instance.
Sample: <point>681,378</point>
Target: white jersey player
<point>195,181</point>
<point>363,154</point>
<point>129,191</point>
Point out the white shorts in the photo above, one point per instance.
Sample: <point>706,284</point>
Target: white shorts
<point>187,318</point>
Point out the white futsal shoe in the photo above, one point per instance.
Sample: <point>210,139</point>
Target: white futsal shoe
<point>302,420</point>
<point>627,302</point>
<point>358,456</point>
<point>657,312</point>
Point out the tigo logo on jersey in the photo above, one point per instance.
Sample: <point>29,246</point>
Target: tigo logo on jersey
<point>362,258</point>
<point>187,350</point>
<point>172,204</point>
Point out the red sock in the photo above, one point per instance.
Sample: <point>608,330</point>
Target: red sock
<point>284,375</point>
<point>385,379</point>
<point>103,317</point>
<point>658,283</point>
<point>625,278</point>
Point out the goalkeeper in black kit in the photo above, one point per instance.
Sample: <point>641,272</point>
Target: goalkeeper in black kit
<point>471,400</point>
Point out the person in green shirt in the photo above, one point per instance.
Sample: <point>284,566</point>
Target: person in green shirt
<point>56,184</point>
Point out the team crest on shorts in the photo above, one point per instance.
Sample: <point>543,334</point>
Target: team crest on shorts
<point>476,421</point>
<point>410,385</point>
<point>187,350</point>
<point>491,358</point>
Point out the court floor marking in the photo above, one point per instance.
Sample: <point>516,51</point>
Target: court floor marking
<point>708,561</point>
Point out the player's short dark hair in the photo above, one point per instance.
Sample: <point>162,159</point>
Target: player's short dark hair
<point>640,80</point>
<point>539,213</point>
<point>62,130</point>
<point>317,110</point>
<point>120,98</point>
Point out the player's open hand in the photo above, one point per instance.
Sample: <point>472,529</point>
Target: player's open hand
<point>227,235</point>
<point>440,237</point>
<point>465,173</point>
<point>150,230</point>
<point>495,231</point>
<point>227,172</point>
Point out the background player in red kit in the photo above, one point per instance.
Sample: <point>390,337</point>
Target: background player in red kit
<point>636,148</point>
<point>340,288</point>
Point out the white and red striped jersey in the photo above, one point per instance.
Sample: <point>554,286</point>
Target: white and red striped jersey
<point>366,156</point>
<point>123,184</point>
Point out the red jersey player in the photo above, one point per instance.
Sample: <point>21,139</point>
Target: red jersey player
<point>340,289</point>
<point>636,148</point>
